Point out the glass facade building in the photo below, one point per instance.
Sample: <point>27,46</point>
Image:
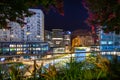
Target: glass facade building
<point>109,41</point>
<point>12,48</point>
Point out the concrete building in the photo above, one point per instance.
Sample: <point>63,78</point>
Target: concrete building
<point>48,37</point>
<point>12,48</point>
<point>67,41</point>
<point>4,35</point>
<point>82,38</point>
<point>15,32</point>
<point>57,37</point>
<point>59,40</point>
<point>27,40</point>
<point>33,30</point>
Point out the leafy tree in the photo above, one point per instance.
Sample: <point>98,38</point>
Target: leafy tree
<point>104,13</point>
<point>16,10</point>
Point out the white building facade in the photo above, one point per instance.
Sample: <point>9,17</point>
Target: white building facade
<point>4,35</point>
<point>32,31</point>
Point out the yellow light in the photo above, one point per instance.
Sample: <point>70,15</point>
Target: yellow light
<point>11,35</point>
<point>27,33</point>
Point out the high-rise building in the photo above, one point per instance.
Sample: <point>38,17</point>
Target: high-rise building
<point>33,30</point>
<point>27,40</point>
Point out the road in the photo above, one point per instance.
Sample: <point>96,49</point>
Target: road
<point>60,59</point>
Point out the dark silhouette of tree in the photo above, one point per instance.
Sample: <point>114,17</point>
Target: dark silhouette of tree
<point>105,13</point>
<point>16,10</point>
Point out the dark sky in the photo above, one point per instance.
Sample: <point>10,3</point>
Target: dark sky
<point>73,19</point>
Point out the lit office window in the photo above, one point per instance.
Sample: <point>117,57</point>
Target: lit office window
<point>18,45</point>
<point>110,42</point>
<point>38,49</point>
<point>12,49</point>
<point>103,42</point>
<point>12,45</point>
<point>5,49</point>
<point>34,49</point>
<point>37,45</point>
<point>18,49</point>
<point>24,45</point>
<point>34,45</point>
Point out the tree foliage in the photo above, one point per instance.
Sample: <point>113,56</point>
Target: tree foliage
<point>104,13</point>
<point>16,10</point>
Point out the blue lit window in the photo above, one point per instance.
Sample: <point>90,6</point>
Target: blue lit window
<point>103,42</point>
<point>110,42</point>
<point>34,45</point>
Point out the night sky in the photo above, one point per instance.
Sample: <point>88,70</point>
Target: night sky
<point>74,17</point>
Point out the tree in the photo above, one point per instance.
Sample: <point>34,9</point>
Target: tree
<point>16,10</point>
<point>105,13</point>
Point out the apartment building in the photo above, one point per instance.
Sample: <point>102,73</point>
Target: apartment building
<point>33,30</point>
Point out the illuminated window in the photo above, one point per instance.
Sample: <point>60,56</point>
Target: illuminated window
<point>103,42</point>
<point>38,49</point>
<point>12,45</point>
<point>34,49</point>
<point>58,42</point>
<point>110,42</point>
<point>18,49</point>
<point>18,45</point>
<point>24,45</point>
<point>12,49</point>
